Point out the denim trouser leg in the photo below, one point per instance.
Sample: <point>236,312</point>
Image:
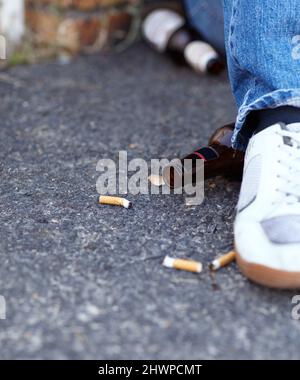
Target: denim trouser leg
<point>207,17</point>
<point>262,39</point>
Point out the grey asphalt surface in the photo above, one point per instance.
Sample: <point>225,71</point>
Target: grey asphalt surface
<point>84,281</point>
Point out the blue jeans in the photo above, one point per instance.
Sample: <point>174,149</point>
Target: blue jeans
<point>262,43</point>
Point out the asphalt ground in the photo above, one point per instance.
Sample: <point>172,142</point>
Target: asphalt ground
<point>83,281</point>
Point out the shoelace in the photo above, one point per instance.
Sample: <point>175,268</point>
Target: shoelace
<point>290,167</point>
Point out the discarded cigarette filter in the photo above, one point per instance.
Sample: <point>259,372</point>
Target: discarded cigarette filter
<point>114,201</point>
<point>181,264</point>
<point>223,260</point>
<point>156,180</point>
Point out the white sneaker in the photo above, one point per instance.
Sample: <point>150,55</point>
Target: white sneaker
<point>267,226</point>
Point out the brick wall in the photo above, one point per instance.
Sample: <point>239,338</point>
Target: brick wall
<point>31,30</point>
<point>77,26</point>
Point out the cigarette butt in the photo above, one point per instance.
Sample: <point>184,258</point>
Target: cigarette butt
<point>181,264</point>
<point>222,261</point>
<point>114,201</point>
<point>156,180</point>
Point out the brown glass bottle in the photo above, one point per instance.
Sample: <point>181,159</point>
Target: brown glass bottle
<point>185,46</point>
<point>166,31</point>
<point>178,42</point>
<point>220,159</point>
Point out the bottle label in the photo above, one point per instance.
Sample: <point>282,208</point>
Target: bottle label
<point>198,54</point>
<point>159,26</point>
<point>206,153</point>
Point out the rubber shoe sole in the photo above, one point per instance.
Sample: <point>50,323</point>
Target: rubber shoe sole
<point>266,276</point>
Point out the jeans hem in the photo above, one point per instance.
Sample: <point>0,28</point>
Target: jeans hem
<point>278,98</point>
